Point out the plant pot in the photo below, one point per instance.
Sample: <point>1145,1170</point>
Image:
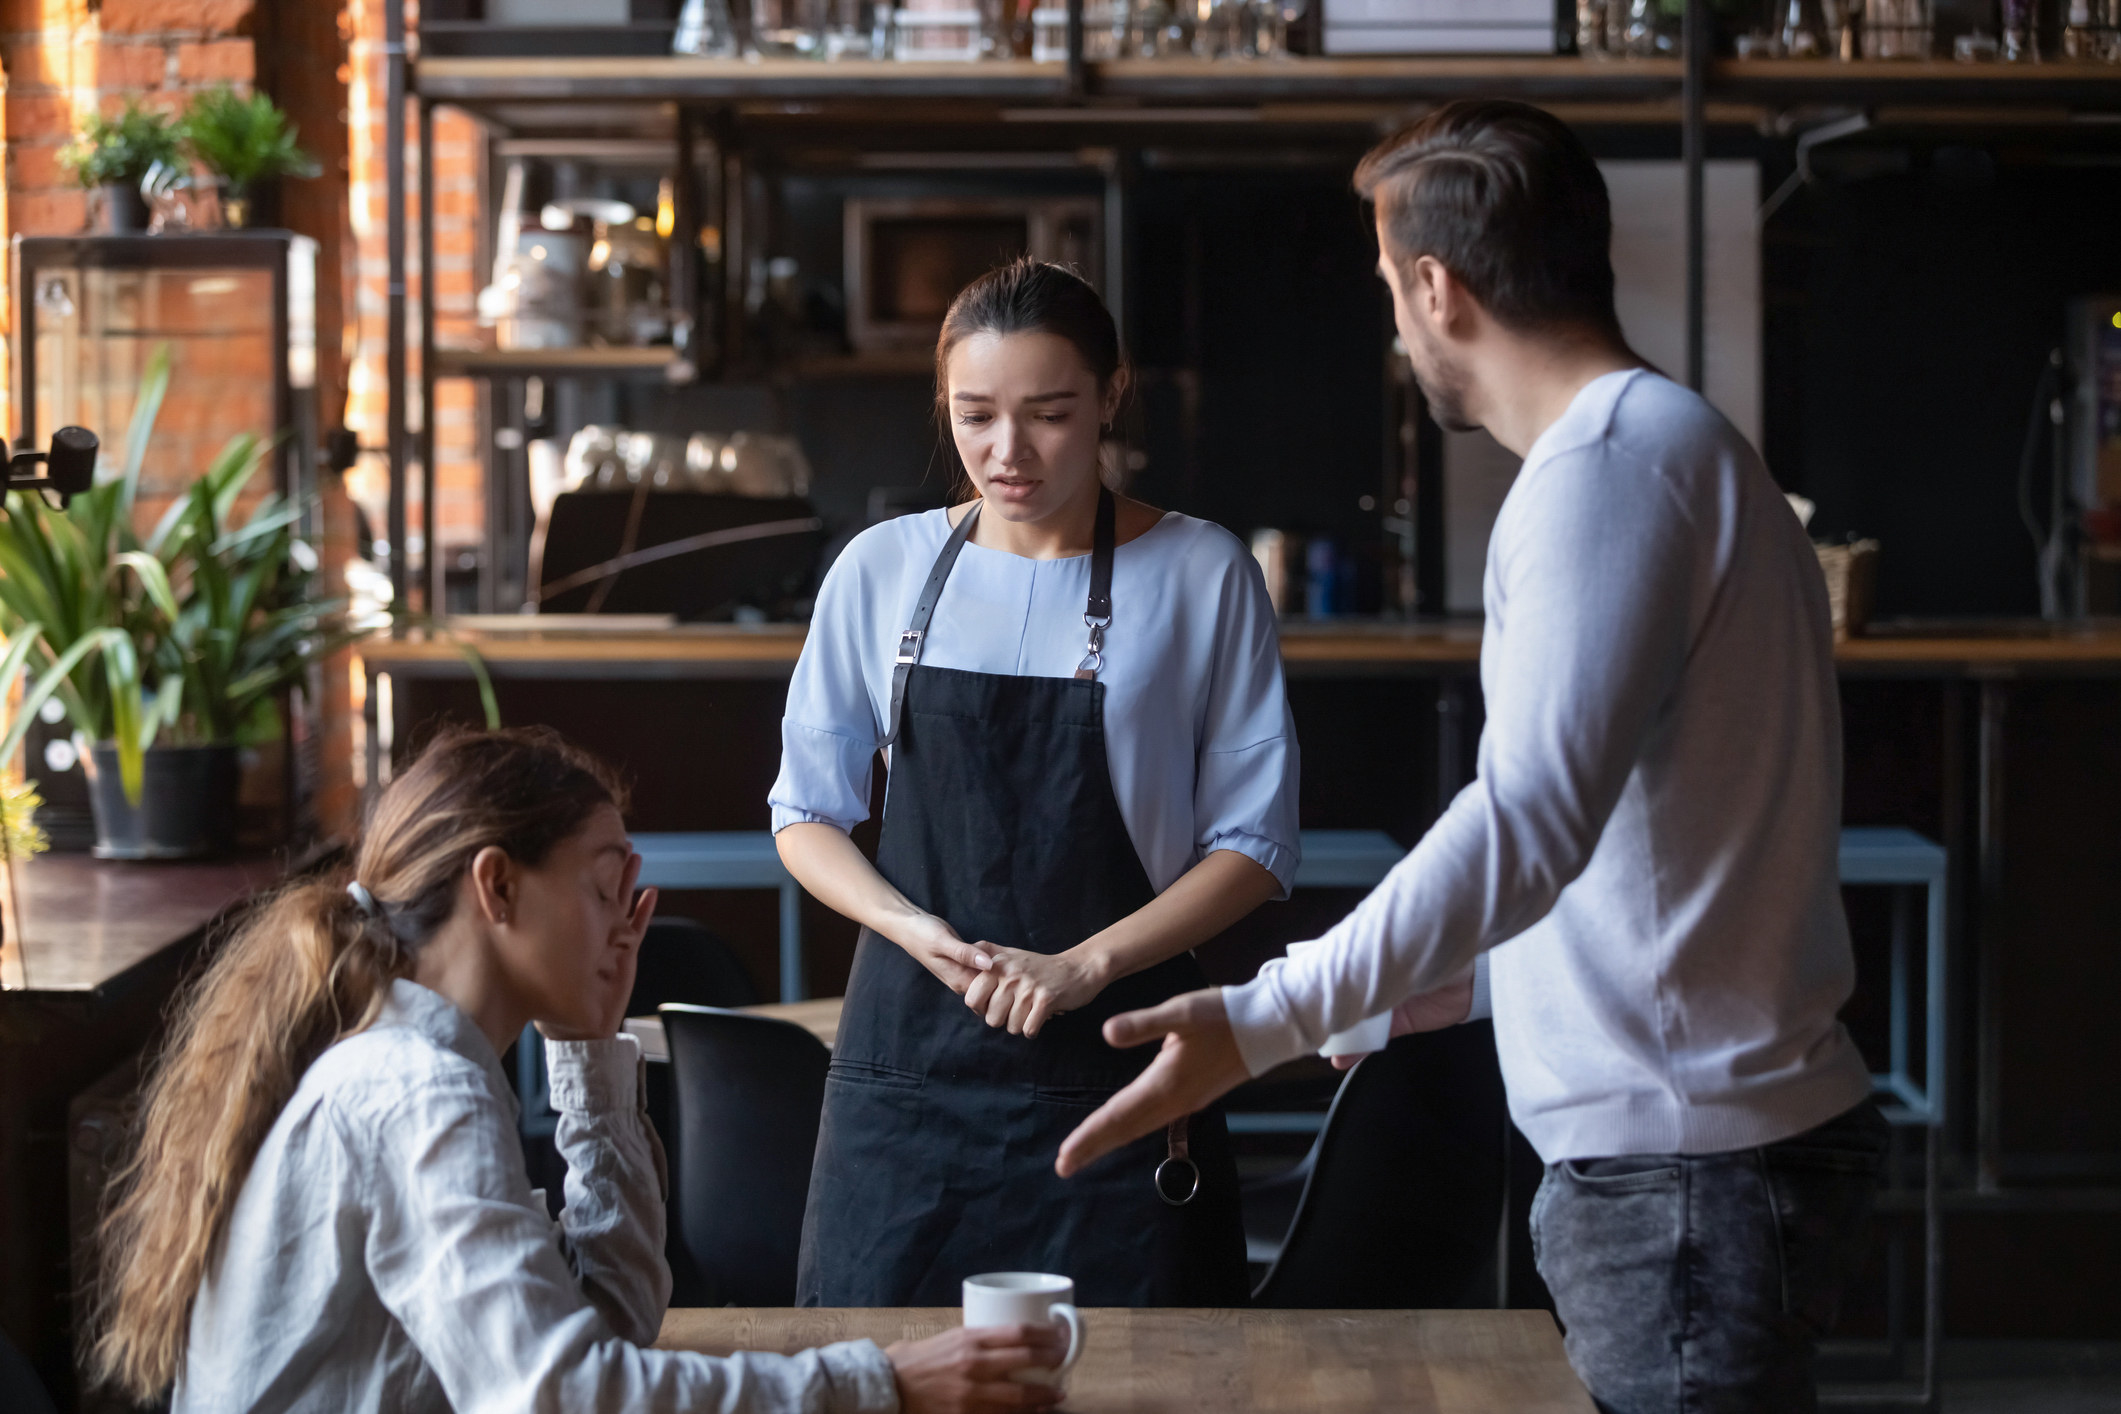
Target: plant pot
<point>187,806</point>
<point>124,209</point>
<point>252,208</point>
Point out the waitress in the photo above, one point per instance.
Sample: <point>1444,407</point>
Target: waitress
<point>1092,772</point>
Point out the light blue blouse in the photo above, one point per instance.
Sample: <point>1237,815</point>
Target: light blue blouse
<point>1197,727</point>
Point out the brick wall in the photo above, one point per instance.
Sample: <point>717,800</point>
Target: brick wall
<point>460,495</point>
<point>66,59</point>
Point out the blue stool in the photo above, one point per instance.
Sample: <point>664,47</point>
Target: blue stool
<point>1902,857</point>
<point>1905,859</point>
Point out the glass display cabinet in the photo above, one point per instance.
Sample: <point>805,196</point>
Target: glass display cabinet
<point>236,308</point>
<point>238,312</point>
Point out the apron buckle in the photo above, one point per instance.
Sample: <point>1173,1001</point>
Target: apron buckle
<point>909,647</point>
<point>1094,657</point>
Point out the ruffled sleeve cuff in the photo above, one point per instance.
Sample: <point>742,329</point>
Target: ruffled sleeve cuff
<point>1276,858</point>
<point>825,777</point>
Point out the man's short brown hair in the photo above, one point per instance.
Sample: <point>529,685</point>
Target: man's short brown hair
<point>1508,199</point>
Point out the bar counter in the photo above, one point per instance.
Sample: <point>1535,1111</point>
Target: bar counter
<point>574,649</point>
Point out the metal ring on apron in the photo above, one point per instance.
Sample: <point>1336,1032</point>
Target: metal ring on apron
<point>1177,1178</point>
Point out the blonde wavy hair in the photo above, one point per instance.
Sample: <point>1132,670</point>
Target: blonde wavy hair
<point>307,969</point>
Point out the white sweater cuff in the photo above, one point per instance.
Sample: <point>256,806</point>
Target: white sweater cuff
<point>1266,1036</point>
<point>594,1077</point>
<point>1483,1008</point>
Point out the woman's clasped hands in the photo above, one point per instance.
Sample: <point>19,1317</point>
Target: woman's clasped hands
<point>1012,989</point>
<point>1018,991</point>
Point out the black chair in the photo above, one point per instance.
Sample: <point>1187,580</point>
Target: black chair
<point>684,961</point>
<point>21,1392</point>
<point>1398,1203</point>
<point>680,961</point>
<point>750,1091</point>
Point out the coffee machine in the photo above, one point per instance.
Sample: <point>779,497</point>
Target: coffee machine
<point>2078,401</point>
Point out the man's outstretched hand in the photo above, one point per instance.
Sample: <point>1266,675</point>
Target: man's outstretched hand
<point>1197,1066</point>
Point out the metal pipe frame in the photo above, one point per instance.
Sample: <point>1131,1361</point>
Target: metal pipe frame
<point>434,598</point>
<point>1693,149</point>
<point>394,89</point>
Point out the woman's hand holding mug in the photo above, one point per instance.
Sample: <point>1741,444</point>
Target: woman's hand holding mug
<point>973,1369</point>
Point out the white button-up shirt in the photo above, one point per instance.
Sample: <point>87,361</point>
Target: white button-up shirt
<point>387,1251</point>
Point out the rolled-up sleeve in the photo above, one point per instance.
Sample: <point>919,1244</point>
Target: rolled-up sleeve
<point>611,1229</point>
<point>466,1262</point>
<point>829,729</point>
<point>1244,795</point>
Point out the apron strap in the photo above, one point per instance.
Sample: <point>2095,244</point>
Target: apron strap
<point>909,642</point>
<point>1097,612</point>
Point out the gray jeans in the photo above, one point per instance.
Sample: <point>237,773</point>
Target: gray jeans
<point>1700,1283</point>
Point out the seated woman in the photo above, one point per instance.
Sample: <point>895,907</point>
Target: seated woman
<point>328,1209</point>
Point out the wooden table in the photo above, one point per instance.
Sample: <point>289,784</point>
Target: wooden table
<point>1320,1362</point>
<point>820,1017</point>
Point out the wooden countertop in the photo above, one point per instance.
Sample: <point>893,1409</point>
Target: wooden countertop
<point>81,924</point>
<point>1149,1361</point>
<point>1970,647</point>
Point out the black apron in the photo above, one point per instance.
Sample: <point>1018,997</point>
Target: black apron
<point>935,1155</point>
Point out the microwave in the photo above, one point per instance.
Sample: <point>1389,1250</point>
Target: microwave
<point>907,257</point>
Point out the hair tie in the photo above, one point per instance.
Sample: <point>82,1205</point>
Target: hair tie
<point>364,900</point>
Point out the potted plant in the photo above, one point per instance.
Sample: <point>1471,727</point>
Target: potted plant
<point>246,142</point>
<point>190,635</point>
<point>20,836</point>
<point>110,154</point>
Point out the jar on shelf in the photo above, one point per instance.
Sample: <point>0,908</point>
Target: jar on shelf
<point>788,29</point>
<point>857,29</point>
<point>1898,29</point>
<point>1227,29</point>
<point>706,30</point>
<point>1161,29</point>
<point>936,30</point>
<point>1801,31</point>
<point>2021,32</point>
<point>1653,29</point>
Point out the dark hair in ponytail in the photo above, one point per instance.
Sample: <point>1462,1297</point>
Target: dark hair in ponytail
<point>310,967</point>
<point>1029,296</point>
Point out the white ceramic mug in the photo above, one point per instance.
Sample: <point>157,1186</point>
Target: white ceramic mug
<point>1030,1298</point>
<point>1370,1034</point>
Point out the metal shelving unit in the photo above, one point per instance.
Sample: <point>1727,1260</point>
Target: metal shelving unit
<point>1022,106</point>
<point>676,101</point>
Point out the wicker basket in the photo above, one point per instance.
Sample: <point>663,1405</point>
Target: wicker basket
<point>1850,571</point>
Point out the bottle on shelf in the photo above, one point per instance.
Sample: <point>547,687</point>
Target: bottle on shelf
<point>2079,42</point>
<point>2021,32</point>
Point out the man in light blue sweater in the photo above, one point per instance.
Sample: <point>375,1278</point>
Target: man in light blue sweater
<point>1647,858</point>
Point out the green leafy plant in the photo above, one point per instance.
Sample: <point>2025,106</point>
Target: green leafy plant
<point>120,148</point>
<point>185,637</point>
<point>244,139</point>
